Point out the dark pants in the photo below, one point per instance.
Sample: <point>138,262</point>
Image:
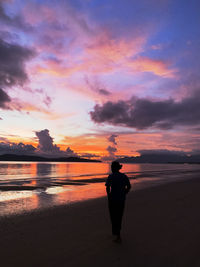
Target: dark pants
<point>116,209</point>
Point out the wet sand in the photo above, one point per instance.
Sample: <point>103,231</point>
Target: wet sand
<point>161,227</point>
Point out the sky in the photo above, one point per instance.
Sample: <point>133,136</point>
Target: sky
<point>99,78</point>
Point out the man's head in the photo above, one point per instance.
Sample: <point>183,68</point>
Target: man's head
<point>115,166</point>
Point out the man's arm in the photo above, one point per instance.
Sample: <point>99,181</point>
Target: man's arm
<point>108,189</point>
<point>108,185</point>
<point>128,185</point>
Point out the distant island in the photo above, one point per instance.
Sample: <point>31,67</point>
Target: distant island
<point>14,157</point>
<point>162,158</point>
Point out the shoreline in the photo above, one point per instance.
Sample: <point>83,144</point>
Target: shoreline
<point>160,228</point>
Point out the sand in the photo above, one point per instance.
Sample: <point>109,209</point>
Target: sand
<point>161,227</point>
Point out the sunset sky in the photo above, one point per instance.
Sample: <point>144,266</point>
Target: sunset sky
<point>99,78</point>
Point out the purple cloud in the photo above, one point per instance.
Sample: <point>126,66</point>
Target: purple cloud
<point>13,21</point>
<point>111,154</point>
<point>14,148</point>
<point>4,99</point>
<point>47,100</point>
<point>46,142</point>
<point>144,113</point>
<point>112,139</point>
<point>47,147</point>
<point>96,86</point>
<point>111,149</point>
<point>12,64</point>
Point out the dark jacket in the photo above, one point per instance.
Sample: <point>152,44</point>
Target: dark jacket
<point>117,186</point>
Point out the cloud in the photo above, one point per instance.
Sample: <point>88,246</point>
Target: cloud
<point>15,21</point>
<point>104,92</point>
<point>70,152</point>
<point>110,50</point>
<point>96,87</point>
<point>157,67</point>
<point>13,73</point>
<point>111,149</point>
<point>12,64</point>
<point>4,99</point>
<point>143,113</point>
<point>14,148</point>
<point>112,139</point>
<point>58,28</point>
<point>46,142</point>
<point>47,100</point>
<point>47,147</point>
<point>111,154</point>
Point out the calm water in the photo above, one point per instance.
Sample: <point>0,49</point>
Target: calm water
<point>35,185</point>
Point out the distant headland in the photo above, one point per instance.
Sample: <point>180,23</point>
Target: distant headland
<point>14,157</point>
<point>162,158</point>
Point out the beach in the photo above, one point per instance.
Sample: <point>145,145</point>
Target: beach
<point>160,228</point>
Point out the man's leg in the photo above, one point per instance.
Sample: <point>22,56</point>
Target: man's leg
<point>118,218</point>
<point>113,209</point>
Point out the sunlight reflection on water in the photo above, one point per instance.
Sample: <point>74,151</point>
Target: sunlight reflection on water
<point>53,184</point>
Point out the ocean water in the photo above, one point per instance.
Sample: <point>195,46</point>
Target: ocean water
<point>28,186</point>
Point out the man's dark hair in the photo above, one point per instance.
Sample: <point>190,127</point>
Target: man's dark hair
<point>115,166</point>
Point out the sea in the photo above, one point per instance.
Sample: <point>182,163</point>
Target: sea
<point>29,186</point>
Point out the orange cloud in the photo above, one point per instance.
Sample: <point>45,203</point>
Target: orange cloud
<point>103,55</point>
<point>107,49</point>
<point>158,67</point>
<point>57,70</point>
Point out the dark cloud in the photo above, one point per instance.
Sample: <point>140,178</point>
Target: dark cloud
<point>144,113</point>
<point>47,147</point>
<point>8,36</point>
<point>111,154</point>
<point>111,149</point>
<point>96,86</point>
<point>14,148</point>
<point>104,92</point>
<point>46,142</point>
<point>12,64</point>
<point>4,99</point>
<point>112,139</point>
<point>47,100</point>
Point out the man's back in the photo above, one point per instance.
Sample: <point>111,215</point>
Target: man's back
<point>119,185</point>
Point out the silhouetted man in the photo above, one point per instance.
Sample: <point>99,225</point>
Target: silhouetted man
<point>117,186</point>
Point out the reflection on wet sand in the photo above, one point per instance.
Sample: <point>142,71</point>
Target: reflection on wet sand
<point>80,193</point>
<point>17,202</point>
